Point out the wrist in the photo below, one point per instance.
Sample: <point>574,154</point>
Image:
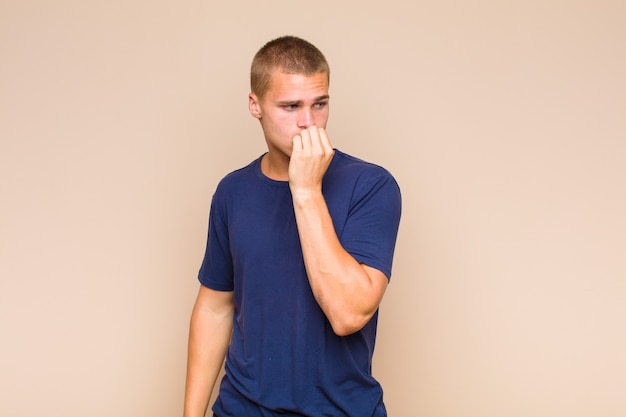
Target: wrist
<point>303,196</point>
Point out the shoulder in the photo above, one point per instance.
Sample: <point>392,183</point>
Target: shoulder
<point>348,168</point>
<point>238,178</point>
<point>349,163</point>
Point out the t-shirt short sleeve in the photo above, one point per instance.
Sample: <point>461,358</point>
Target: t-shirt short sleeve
<point>216,271</point>
<point>371,228</point>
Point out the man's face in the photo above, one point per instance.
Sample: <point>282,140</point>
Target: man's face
<point>292,103</point>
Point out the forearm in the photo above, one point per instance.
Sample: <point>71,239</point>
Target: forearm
<point>209,335</point>
<point>345,291</point>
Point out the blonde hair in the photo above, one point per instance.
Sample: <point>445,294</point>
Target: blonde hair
<point>287,54</point>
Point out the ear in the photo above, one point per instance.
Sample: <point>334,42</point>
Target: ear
<point>254,106</point>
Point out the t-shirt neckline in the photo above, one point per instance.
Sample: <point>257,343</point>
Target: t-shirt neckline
<point>279,183</point>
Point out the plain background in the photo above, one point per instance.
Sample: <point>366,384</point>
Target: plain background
<point>504,123</point>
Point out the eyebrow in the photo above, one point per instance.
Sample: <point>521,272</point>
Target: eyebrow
<point>298,102</point>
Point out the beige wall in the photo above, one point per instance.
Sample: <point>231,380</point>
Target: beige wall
<point>504,123</point>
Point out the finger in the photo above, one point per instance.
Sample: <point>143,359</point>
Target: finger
<point>314,134</point>
<point>324,140</point>
<point>296,144</point>
<point>305,136</point>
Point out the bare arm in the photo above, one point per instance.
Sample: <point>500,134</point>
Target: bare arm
<point>349,293</point>
<point>209,335</point>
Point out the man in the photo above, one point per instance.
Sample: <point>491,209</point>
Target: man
<point>298,258</point>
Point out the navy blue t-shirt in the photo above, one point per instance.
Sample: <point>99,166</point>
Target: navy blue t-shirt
<point>284,358</point>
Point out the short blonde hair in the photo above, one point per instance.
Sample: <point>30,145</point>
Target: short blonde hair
<point>287,54</point>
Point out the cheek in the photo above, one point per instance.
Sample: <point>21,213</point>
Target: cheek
<point>282,129</point>
<point>321,118</point>
<point>285,124</point>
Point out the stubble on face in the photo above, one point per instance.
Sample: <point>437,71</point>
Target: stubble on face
<point>292,103</point>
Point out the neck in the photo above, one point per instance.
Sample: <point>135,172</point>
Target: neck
<point>275,167</point>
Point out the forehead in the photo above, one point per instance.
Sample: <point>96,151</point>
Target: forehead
<point>285,86</point>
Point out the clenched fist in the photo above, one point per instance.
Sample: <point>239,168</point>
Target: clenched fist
<point>310,158</point>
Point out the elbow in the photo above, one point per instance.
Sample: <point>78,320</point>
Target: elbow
<point>345,330</point>
<point>349,324</point>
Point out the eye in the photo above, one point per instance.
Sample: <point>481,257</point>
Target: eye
<point>320,105</point>
<point>290,107</point>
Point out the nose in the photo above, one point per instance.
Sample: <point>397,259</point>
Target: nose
<point>305,118</point>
